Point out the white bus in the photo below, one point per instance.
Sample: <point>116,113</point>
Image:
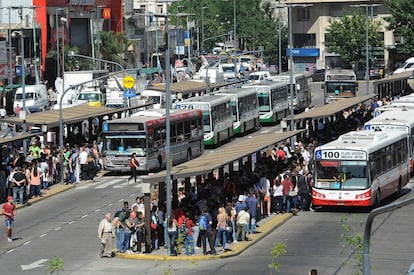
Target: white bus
<point>217,116</point>
<point>245,109</point>
<point>302,93</point>
<point>401,120</point>
<point>144,133</point>
<point>360,168</point>
<point>273,101</point>
<point>339,83</point>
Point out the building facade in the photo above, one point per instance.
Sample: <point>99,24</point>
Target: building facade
<point>310,20</point>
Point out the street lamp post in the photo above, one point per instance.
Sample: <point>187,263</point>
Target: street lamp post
<point>292,120</point>
<point>202,28</point>
<point>57,40</point>
<point>367,17</point>
<point>72,54</point>
<point>234,26</point>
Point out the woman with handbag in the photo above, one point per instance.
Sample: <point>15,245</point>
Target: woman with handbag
<point>172,234</point>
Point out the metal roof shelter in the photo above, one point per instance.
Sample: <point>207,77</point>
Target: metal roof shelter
<point>17,137</point>
<point>222,156</point>
<point>70,115</point>
<point>189,87</point>
<point>331,108</point>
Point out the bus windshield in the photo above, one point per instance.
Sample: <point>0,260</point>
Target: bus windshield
<point>341,175</point>
<point>206,122</point>
<point>338,88</point>
<point>126,144</point>
<point>264,102</point>
<point>234,110</point>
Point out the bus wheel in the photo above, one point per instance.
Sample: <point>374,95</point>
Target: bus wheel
<point>399,190</point>
<point>189,156</point>
<point>378,198</point>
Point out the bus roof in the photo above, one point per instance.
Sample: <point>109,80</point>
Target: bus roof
<point>144,116</point>
<point>368,141</point>
<point>266,84</point>
<point>211,99</point>
<point>396,117</point>
<point>237,91</point>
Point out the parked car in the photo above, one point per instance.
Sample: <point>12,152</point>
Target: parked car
<point>318,75</point>
<point>374,73</point>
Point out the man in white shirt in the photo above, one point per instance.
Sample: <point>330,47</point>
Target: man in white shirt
<point>106,233</point>
<point>83,161</point>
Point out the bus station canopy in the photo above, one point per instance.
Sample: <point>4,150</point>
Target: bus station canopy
<point>206,163</point>
<point>17,137</point>
<point>189,87</point>
<point>331,108</point>
<point>70,115</point>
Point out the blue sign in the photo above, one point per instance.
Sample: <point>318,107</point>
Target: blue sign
<point>128,93</point>
<point>304,52</point>
<point>318,154</point>
<point>18,70</point>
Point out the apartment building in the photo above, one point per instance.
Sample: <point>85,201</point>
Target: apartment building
<point>310,20</point>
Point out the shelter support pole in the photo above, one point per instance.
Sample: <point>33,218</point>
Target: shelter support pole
<point>187,185</point>
<point>175,193</point>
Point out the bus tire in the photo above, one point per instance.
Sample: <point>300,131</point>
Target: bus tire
<point>378,199</point>
<point>189,155</point>
<point>399,188</point>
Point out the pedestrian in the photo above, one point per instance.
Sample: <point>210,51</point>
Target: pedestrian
<point>9,212</point>
<point>133,164</point>
<point>106,233</point>
<point>253,204</point>
<point>18,183</point>
<point>35,174</point>
<point>313,272</point>
<point>172,230</point>
<point>243,219</point>
<point>222,220</point>
<point>204,224</point>
<point>10,130</point>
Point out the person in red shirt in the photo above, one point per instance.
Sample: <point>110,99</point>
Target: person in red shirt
<point>9,211</point>
<point>287,183</point>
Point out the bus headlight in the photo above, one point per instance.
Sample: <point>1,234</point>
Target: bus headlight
<point>363,196</point>
<point>318,195</point>
<point>208,135</point>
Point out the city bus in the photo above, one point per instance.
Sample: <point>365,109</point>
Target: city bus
<point>245,109</point>
<point>144,133</point>
<point>273,101</point>
<point>339,83</point>
<point>302,93</point>
<point>361,168</point>
<point>217,116</point>
<point>401,120</point>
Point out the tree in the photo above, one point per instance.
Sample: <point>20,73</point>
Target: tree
<point>113,46</point>
<point>347,37</point>
<point>402,23</point>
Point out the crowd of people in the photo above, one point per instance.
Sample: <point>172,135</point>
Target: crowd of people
<point>24,176</point>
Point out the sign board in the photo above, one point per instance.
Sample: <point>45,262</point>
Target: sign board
<point>180,50</point>
<point>128,93</point>
<point>128,82</point>
<point>4,71</point>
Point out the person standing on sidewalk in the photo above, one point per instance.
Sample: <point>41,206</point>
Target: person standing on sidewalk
<point>106,233</point>
<point>9,211</point>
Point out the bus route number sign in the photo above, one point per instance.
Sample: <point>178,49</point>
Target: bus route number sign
<point>340,154</point>
<point>128,82</point>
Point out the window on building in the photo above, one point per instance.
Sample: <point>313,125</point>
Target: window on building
<point>304,40</point>
<point>303,14</point>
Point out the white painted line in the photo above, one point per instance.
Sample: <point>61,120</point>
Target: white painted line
<point>26,243</point>
<point>122,185</point>
<point>44,235</point>
<point>120,199</point>
<point>110,204</point>
<point>84,216</point>
<point>10,251</point>
<point>132,195</point>
<point>109,183</point>
<point>71,222</point>
<point>97,210</point>
<point>83,187</point>
<point>58,228</point>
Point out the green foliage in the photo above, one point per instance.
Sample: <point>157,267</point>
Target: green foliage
<point>55,264</point>
<point>112,46</point>
<point>347,37</point>
<point>255,25</point>
<point>401,22</point>
<point>278,250</point>
<point>352,241</point>
<point>180,243</point>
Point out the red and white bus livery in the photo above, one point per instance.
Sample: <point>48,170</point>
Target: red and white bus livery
<point>360,168</point>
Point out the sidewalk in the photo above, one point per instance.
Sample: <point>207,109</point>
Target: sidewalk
<point>266,226</point>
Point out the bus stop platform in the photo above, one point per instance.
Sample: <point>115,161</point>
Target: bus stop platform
<point>266,226</point>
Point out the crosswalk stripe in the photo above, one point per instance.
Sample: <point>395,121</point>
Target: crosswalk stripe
<point>109,183</point>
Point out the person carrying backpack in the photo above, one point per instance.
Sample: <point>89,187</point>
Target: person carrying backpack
<point>204,223</point>
<point>186,229</point>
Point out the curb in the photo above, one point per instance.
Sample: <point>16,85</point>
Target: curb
<point>59,188</point>
<point>264,230</point>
